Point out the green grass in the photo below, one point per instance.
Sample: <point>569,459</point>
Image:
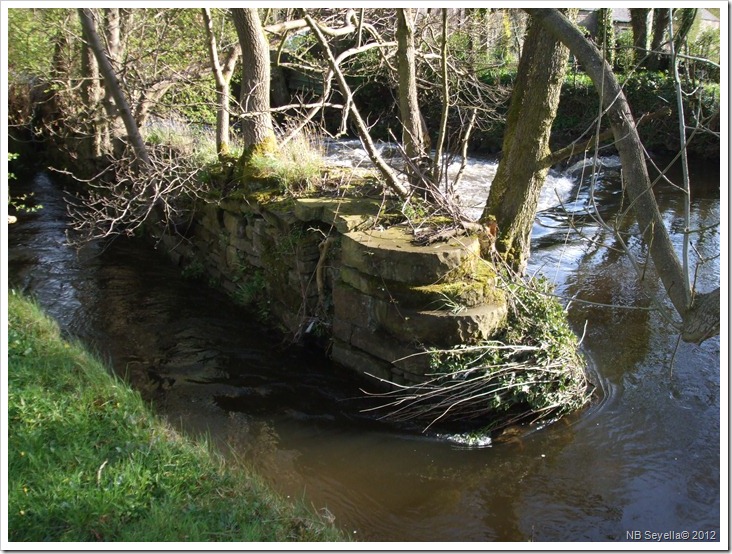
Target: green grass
<point>296,166</point>
<point>88,461</point>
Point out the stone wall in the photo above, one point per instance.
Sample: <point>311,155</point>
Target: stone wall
<point>322,266</point>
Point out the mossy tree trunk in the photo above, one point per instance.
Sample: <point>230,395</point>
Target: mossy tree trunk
<point>514,193</point>
<point>93,144</point>
<point>606,34</point>
<point>257,129</point>
<point>640,21</point>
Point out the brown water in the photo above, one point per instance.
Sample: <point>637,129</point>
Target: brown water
<point>644,458</point>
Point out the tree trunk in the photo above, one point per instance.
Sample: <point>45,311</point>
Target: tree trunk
<point>514,192</point>
<point>112,85</point>
<point>91,94</point>
<point>686,21</point>
<point>700,313</point>
<point>257,129</point>
<point>223,78</point>
<point>114,48</point>
<point>660,26</point>
<point>606,34</point>
<point>412,136</point>
<point>640,21</point>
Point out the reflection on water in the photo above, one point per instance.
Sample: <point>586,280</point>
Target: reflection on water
<point>646,457</point>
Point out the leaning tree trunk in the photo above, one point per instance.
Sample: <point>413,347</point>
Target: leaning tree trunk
<point>700,313</point>
<point>514,192</point>
<point>257,129</point>
<point>112,85</point>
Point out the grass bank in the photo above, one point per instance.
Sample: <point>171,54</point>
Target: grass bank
<point>88,461</point>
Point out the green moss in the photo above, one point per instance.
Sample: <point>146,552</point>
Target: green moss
<point>460,289</point>
<point>464,288</point>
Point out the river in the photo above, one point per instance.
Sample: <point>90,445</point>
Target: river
<point>644,458</point>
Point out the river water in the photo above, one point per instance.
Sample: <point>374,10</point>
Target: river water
<point>645,458</point>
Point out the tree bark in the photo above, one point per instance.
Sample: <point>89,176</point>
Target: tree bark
<point>112,85</point>
<point>91,94</point>
<point>640,21</point>
<point>113,45</point>
<point>700,313</point>
<point>257,129</point>
<point>514,192</point>
<point>222,75</point>
<point>412,136</point>
<point>660,25</point>
<point>686,21</point>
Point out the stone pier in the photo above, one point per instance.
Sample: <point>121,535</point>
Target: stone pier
<point>326,266</point>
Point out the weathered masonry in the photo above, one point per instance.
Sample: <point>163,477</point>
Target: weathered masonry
<point>325,266</point>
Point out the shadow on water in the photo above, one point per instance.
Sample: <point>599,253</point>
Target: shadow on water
<point>646,456</point>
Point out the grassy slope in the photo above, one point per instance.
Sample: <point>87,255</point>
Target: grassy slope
<point>88,461</point>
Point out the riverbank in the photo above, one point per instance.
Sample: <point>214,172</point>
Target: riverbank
<point>88,461</point>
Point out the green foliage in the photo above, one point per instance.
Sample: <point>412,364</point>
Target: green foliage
<point>31,33</point>
<point>647,92</point>
<point>532,370</point>
<point>252,292</point>
<point>536,318</point>
<point>706,46</point>
<point>606,34</point>
<point>195,102</point>
<point>193,145</point>
<point>87,460</point>
<point>18,203</point>
<point>624,52</point>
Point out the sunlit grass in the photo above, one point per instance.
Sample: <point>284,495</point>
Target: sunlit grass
<point>88,461</point>
<point>297,166</point>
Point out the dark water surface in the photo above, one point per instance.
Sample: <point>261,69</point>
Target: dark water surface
<point>646,458</point>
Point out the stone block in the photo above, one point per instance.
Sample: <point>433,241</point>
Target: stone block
<point>244,245</point>
<point>261,242</point>
<point>359,361</point>
<point>342,330</point>
<point>443,329</point>
<point>234,225</point>
<point>345,214</point>
<point>233,260</point>
<point>255,261</point>
<point>306,267</point>
<point>390,254</point>
<point>351,306</point>
<point>399,353</point>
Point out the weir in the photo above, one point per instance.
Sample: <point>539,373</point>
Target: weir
<point>325,267</point>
